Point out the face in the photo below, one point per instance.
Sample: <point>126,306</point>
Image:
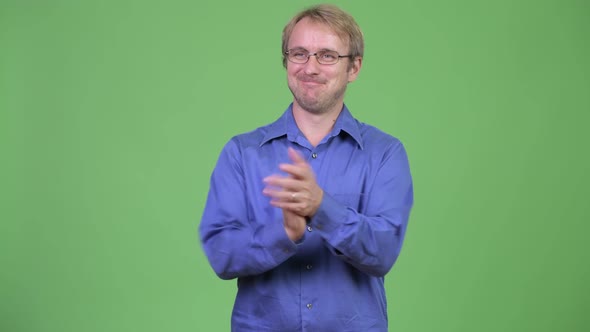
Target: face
<point>319,88</point>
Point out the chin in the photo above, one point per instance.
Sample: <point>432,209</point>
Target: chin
<point>313,108</point>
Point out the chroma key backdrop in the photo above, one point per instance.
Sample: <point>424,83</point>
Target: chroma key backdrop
<point>113,113</point>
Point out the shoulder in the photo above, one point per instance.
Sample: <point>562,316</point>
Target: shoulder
<point>247,140</point>
<point>373,137</point>
<point>251,138</point>
<point>369,137</point>
<point>384,149</point>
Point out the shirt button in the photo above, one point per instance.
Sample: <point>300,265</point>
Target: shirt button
<point>314,155</point>
<point>309,228</point>
<point>308,266</point>
<point>309,306</point>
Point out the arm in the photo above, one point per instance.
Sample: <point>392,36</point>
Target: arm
<point>371,241</point>
<point>235,245</point>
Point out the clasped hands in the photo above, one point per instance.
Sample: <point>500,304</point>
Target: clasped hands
<point>297,194</point>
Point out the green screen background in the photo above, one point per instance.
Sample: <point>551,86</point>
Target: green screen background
<point>113,114</point>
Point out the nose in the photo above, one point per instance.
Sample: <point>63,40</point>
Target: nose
<point>312,66</point>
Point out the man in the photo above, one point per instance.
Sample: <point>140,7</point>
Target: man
<point>309,212</point>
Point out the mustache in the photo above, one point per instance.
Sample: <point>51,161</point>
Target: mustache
<point>312,79</point>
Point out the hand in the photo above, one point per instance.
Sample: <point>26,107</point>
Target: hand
<point>298,192</point>
<point>294,225</point>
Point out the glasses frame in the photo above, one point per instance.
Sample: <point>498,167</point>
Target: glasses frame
<point>309,55</point>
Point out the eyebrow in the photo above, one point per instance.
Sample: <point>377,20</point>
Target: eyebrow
<point>304,49</point>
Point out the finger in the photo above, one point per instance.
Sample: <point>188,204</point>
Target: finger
<point>296,157</point>
<point>295,207</point>
<point>281,195</point>
<point>295,170</point>
<point>274,180</point>
<point>270,192</point>
<point>287,184</point>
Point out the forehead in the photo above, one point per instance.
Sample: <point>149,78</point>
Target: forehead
<point>313,35</point>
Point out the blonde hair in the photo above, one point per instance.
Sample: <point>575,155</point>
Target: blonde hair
<point>342,23</point>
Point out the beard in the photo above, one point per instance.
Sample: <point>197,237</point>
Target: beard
<point>316,102</point>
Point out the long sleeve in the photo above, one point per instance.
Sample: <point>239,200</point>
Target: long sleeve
<point>371,239</point>
<point>333,278</point>
<point>236,245</point>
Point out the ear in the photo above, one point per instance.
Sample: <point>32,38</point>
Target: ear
<point>355,68</point>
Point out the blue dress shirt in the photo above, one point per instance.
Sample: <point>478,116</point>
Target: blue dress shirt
<point>331,280</point>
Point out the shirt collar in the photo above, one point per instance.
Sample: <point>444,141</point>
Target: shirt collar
<point>285,125</point>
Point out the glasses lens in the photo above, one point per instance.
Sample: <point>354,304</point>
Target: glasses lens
<point>327,57</point>
<point>323,57</point>
<point>298,56</point>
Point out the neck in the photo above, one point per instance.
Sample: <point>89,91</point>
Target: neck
<point>315,126</point>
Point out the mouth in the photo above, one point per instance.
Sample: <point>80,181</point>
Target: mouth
<point>310,82</point>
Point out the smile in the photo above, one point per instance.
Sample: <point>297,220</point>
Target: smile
<point>310,82</point>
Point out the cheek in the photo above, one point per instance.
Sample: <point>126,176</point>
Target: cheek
<point>292,70</point>
<point>291,75</point>
<point>344,78</point>
<point>291,80</point>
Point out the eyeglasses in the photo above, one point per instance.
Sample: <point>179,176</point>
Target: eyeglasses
<point>324,57</point>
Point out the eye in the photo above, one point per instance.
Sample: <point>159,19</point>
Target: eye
<point>329,56</point>
<point>298,54</point>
